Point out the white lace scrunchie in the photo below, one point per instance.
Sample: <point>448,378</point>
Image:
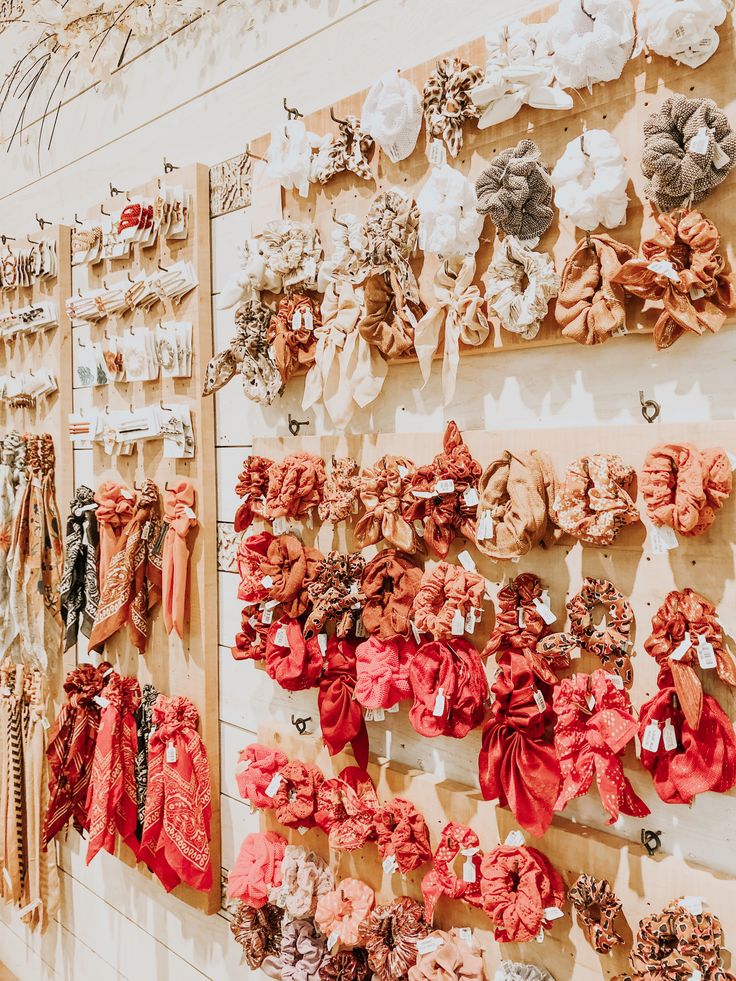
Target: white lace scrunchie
<point>519,72</point>
<point>520,308</point>
<point>254,276</point>
<point>592,40</point>
<point>590,180</point>
<point>289,156</point>
<point>392,115</point>
<point>683,30</point>
<point>293,251</point>
<point>449,223</point>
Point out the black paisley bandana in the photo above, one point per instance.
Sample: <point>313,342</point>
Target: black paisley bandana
<point>79,588</point>
<point>144,724</point>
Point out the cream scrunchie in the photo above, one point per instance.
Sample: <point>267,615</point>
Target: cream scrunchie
<point>392,114</point>
<point>289,156</point>
<point>449,223</point>
<point>293,251</point>
<point>590,180</point>
<point>348,259</point>
<point>521,309</point>
<point>683,30</point>
<point>512,971</point>
<point>592,40</point>
<point>516,191</point>
<point>253,276</point>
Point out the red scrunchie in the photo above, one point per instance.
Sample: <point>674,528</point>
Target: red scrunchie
<point>257,766</point>
<point>517,885</point>
<point>296,798</point>
<point>250,554</point>
<point>382,669</point>
<point>347,806</point>
<point>684,487</point>
<point>297,663</point>
<point>450,688</point>
<point>401,831</point>
<point>340,714</point>
<point>286,570</point>
<point>250,641</point>
<point>441,880</point>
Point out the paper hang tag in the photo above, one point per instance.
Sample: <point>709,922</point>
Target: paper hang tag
<point>322,641</point>
<point>520,619</point>
<point>436,153</point>
<point>553,913</point>
<point>273,788</point>
<point>652,737</point>
<point>466,935</point>
<point>296,320</point>
<point>439,704</point>
<point>390,865</point>
<point>8,880</point>
<point>540,936</point>
<point>171,754</point>
<point>458,624</point>
<point>360,630</point>
<point>428,945</point>
<point>281,640</point>
<point>696,293</point>
<point>469,872</point>
<point>732,460</point>
<point>332,939</point>
<point>444,487</point>
<point>5,691</point>
<point>189,513</point>
<point>470,497</point>
<point>267,616</point>
<point>302,831</point>
<point>466,561</point>
<point>539,700</point>
<point>267,582</point>
<point>700,142</point>
<point>696,976</point>
<point>45,724</point>
<point>393,709</point>
<point>617,681</point>
<point>543,610</point>
<point>415,632</point>
<point>662,539</point>
<point>403,472</point>
<point>693,904</point>
<point>280,526</point>
<point>308,319</point>
<point>669,736</point>
<point>101,701</point>
<point>484,529</point>
<point>470,622</point>
<point>706,653</point>
<point>514,839</point>
<point>720,157</point>
<point>663,267</point>
<point>378,715</point>
<point>682,648</point>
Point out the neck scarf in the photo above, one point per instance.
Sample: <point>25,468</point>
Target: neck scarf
<point>340,714</point>
<point>593,501</point>
<point>144,723</point>
<point>518,886</point>
<point>684,487</point>
<point>597,907</point>
<point>441,880</point>
<point>115,505</point>
<point>591,306</point>
<point>180,519</point>
<point>385,496</point>
<point>79,590</point>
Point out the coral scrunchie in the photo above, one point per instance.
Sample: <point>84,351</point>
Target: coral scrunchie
<point>257,868</point>
<point>684,487</point>
<point>251,552</point>
<point>340,714</point>
<point>444,591</point>
<point>593,502</point>
<point>347,806</point>
<point>257,766</point>
<point>385,496</point>
<point>401,831</point>
<point>450,688</point>
<point>296,798</point>
<point>251,489</point>
<point>295,485</point>
<point>441,880</point>
<point>452,960</point>
<point>293,661</point>
<point>518,885</point>
<point>390,583</point>
<point>341,912</point>
<point>677,944</point>
<point>382,668</point>
<point>286,570</point>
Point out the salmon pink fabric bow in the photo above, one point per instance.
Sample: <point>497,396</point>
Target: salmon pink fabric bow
<point>180,517</point>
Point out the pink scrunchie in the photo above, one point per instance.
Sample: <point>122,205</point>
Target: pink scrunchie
<point>257,868</point>
<point>257,766</point>
<point>342,911</point>
<point>443,591</point>
<point>382,668</point>
<point>454,960</point>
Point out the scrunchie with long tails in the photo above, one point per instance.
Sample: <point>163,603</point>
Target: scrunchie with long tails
<point>519,284</point>
<point>389,317</point>
<point>450,688</point>
<point>390,584</point>
<point>180,518</point>
<point>257,766</point>
<point>335,593</point>
<point>595,724</point>
<point>597,907</point>
<point>677,627</point>
<point>447,101</point>
<point>676,944</point>
<point>251,488</point>
<point>346,809</point>
<point>257,868</point>
<point>295,486</point>
<point>295,800</point>
<point>291,333</point>
<point>516,191</point>
<point>518,885</point>
<point>294,661</point>
<point>401,831</point>
<point>285,571</point>
<point>591,306</point>
<point>682,273</point>
<point>516,493</point>
<point>441,880</point>
<point>684,32</point>
<point>340,714</point>
<point>453,960</point>
<point>341,912</point>
<point>592,40</point>
<point>391,935</point>
<point>304,878</point>
<point>444,591</point>
<point>340,492</point>
<point>382,668</point>
<point>386,499</point>
<point>684,487</point>
<point>115,506</point>
<point>391,228</point>
<point>590,181</point>
<point>593,501</point>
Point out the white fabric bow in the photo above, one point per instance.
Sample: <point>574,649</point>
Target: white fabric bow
<point>449,223</point>
<point>254,275</point>
<point>592,40</point>
<point>590,178</point>
<point>683,30</point>
<point>392,114</point>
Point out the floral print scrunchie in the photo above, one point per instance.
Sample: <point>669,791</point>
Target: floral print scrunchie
<point>593,502</point>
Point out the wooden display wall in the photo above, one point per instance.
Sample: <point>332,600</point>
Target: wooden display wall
<point>190,667</point>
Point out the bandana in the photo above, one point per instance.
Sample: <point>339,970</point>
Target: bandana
<point>78,590</point>
<point>114,510</point>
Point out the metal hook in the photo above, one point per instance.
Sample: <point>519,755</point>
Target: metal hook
<point>162,268</point>
<point>337,221</point>
<point>32,241</point>
<point>169,167</point>
<point>651,840</point>
<point>165,408</point>
<point>336,119</point>
<point>76,219</point>
<point>42,222</point>
<point>293,113</point>
<point>295,425</point>
<point>649,408</point>
<point>582,145</point>
<point>130,278</point>
<point>6,238</point>
<point>301,724</point>
<point>588,243</point>
<point>114,191</point>
<point>80,342</point>
<point>102,209</point>
<point>249,155</point>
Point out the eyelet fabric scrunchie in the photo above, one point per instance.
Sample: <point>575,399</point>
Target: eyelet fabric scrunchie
<point>289,155</point>
<point>341,912</point>
<point>516,191</point>
<point>697,760</point>
<point>517,764</point>
<point>301,956</point>
<point>593,502</point>
<point>518,885</point>
<point>689,148</point>
<point>401,831</point>
<point>391,228</point>
<point>248,354</point>
<point>294,661</point>
<point>304,878</point>
<point>253,276</point>
<point>340,714</point>
<point>610,642</point>
<point>592,40</point>
<point>681,272</point>
<point>597,907</point>
<point>443,591</point>
<point>258,931</point>
<point>441,880</point>
<point>445,515</point>
<point>295,800</point>
<point>684,32</point>
<point>675,944</point>
<point>180,518</point>
<point>456,316</point>
<point>516,493</point>
<point>295,485</point>
<point>286,570</point>
<point>447,101</point>
<point>392,114</point>
<point>449,223</point>
<point>590,181</point>
<point>340,491</point>
<point>291,333</point>
<point>251,488</point>
<point>382,668</point>
<point>390,935</point>
<point>389,585</point>
<point>591,306</point>
<point>386,498</point>
<point>347,150</point>
<point>346,809</point>
<point>684,487</point>
<point>335,593</point>
<point>79,591</point>
<point>519,284</point>
<point>346,965</point>
<point>257,766</point>
<point>449,687</point>
<point>293,250</point>
<point>389,317</point>
<point>595,724</point>
<point>685,617</point>
<point>452,960</point>
<point>115,505</point>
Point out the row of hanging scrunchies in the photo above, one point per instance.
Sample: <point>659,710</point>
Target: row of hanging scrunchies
<point>29,874</point>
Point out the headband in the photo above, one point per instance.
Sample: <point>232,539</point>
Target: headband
<point>347,965</point>
<point>392,114</point>
<point>402,832</point>
<point>441,880</point>
<point>593,502</point>
<point>519,885</point>
<point>519,284</point>
<point>684,487</point>
<point>447,101</point>
<point>516,191</point>
<point>335,593</point>
<point>257,766</point>
<point>286,570</point>
<point>385,496</point>
<point>449,223</point>
<point>340,492</point>
<point>590,181</point>
<point>447,596</point>
<point>295,800</point>
<point>390,584</point>
<point>251,489</point>
<point>382,671</point>
<point>450,688</point>
<point>293,660</point>
<point>347,150</point>
<point>347,806</point>
<point>597,907</point>
<point>687,35</point>
<point>301,956</point>
<point>257,868</point>
<point>452,959</point>
<point>340,715</point>
<point>258,931</point>
<point>591,41</point>
<point>677,944</point>
<point>341,912</point>
<point>391,935</point>
<point>291,333</point>
<point>295,485</point>
<point>389,317</point>
<point>391,228</point>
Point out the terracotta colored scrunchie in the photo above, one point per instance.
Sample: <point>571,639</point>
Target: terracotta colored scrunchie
<point>441,879</point>
<point>591,307</point>
<point>682,615</point>
<point>286,570</point>
<point>291,333</point>
<point>251,552</point>
<point>340,713</point>
<point>251,488</point>
<point>610,642</point>
<point>389,317</point>
<point>390,935</point>
<point>304,878</point>
<point>382,669</point>
<point>518,884</point>
<point>341,912</point>
<point>340,493</point>
<point>597,907</point>
<point>295,800</point>
<point>250,641</point>
<point>346,809</point>
<point>595,723</point>
<point>450,689</point>
<point>347,965</point>
<point>453,960</point>
<point>443,591</point>
<point>295,486</point>
<point>257,766</point>
<point>517,492</point>
<point>258,931</point>
<point>257,868</point>
<point>292,660</point>
<point>335,593</point>
<point>390,583</point>
<point>593,502</point>
<point>683,487</point>
<point>675,943</point>
<point>385,496</point>
<point>401,831</point>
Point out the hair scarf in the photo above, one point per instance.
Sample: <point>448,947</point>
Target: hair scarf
<point>458,311</point>
<point>79,589</point>
<point>115,506</point>
<point>52,545</point>
<point>176,826</point>
<point>144,722</point>
<point>340,714</point>
<point>180,519</point>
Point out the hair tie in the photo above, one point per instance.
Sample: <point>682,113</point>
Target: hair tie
<point>257,868</point>
<point>258,931</point>
<point>291,333</point>
<point>341,912</point>
<point>292,250</point>
<point>257,766</point>
<point>511,971</point>
<point>685,33</point>
<point>347,808</point>
<point>389,317</point>
<point>590,181</point>
<point>293,660</point>
<point>597,907</point>
<point>340,492</point>
<point>302,954</point>
<point>441,880</point>
<point>518,886</point>
<point>449,223</point>
<point>516,191</point>
<point>519,284</point>
<point>453,959</point>
<point>295,800</point>
<point>252,277</point>
<point>447,594</point>
<point>595,724</point>
<point>250,553</point>
<point>402,832</point>
<point>447,101</point>
<point>591,41</point>
<point>251,488</point>
<point>389,585</point>
<point>340,715</point>
<point>450,688</point>
<point>289,156</point>
<point>391,935</point>
<point>391,228</point>
<point>304,878</point>
<point>248,354</point>
<point>684,487</point>
<point>677,944</point>
<point>593,502</point>
<point>382,668</point>
<point>386,498</point>
<point>335,593</point>
<point>286,570</point>
<point>250,641</point>
<point>295,485</point>
<point>392,114</point>
<point>347,150</point>
<point>347,965</point>
<point>347,263</point>
<point>591,306</point>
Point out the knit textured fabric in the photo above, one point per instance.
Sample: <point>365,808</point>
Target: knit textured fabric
<point>592,40</point>
<point>518,885</point>
<point>392,114</point>
<point>516,191</point>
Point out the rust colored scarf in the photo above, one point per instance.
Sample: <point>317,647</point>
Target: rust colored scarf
<point>114,510</point>
<point>180,519</point>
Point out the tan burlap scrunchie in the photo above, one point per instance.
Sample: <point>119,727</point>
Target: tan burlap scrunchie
<point>447,101</point>
<point>516,191</point>
<point>390,317</point>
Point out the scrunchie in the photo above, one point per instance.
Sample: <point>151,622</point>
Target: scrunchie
<point>452,960</point>
<point>286,571</point>
<point>340,913</point>
<point>519,284</point>
<point>689,148</point>
<point>684,32</point>
<point>516,494</point>
<point>593,502</point>
<point>590,181</point>
<point>516,191</point>
<point>257,766</point>
<point>682,273</point>
<point>291,332</point>
<point>590,306</point>
<point>445,591</point>
<point>346,809</point>
<point>251,488</point>
<point>293,660</point>
<point>389,317</point>
<point>392,114</point>
<point>295,485</point>
<point>518,885</point>
<point>258,931</point>
<point>253,276</point>
<point>289,156</point>
<point>591,41</point>
<point>447,101</point>
<point>257,868</point>
<point>597,907</point>
<point>382,668</point>
<point>385,496</point>
<point>441,880</point>
<point>389,585</point>
<point>302,954</point>
<point>511,971</point>
<point>340,492</point>
<point>304,878</point>
<point>347,150</point>
<point>249,354</point>
<point>402,832</point>
<point>348,260</point>
<point>347,965</point>
<point>391,228</point>
<point>450,689</point>
<point>684,487</point>
<point>340,715</point>
<point>675,944</point>
<point>677,625</point>
<point>248,557</point>
<point>295,800</point>
<point>449,223</point>
<point>335,593</point>
<point>250,641</point>
<point>390,935</point>
<point>293,250</point>
<point>610,642</point>
<point>595,723</point>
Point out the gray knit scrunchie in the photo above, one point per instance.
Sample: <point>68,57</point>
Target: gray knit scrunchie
<point>689,148</point>
<point>512,971</point>
<point>516,191</point>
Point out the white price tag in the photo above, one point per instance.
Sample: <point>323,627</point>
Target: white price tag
<point>415,632</point>
<point>732,460</point>
<point>332,939</point>
<point>662,539</point>
<point>390,865</point>
<point>682,648</point>
<point>423,494</point>
<point>444,487</point>
<point>360,631</point>
<point>470,497</point>
<point>280,526</point>
<point>273,788</point>
<point>520,620</point>
<point>696,293</point>
<point>403,472</point>
<point>669,736</point>
<point>552,913</point>
<point>189,513</point>
<point>469,873</point>
<point>428,945</point>
<point>591,702</point>
<point>267,582</point>
<point>281,640</point>
<point>436,153</point>
<point>470,622</point>
<point>267,615</point>
<point>308,319</point>
<point>101,701</point>
<point>439,704</point>
<point>617,681</point>
<point>393,708</point>
<point>484,530</point>
<point>296,320</point>
<point>699,143</point>
<point>543,610</point>
<point>663,267</point>
<point>45,722</point>
<point>693,904</point>
<point>5,691</point>
<point>378,715</point>
<point>466,935</point>
<point>466,561</point>
<point>651,739</point>
<point>706,654</point>
<point>322,641</point>
<point>540,936</point>
<point>514,839</point>
<point>539,700</point>
<point>696,976</point>
<point>720,157</point>
<point>302,831</point>
<point>171,754</point>
<point>458,624</point>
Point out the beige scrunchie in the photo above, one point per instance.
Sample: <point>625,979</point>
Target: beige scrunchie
<point>516,191</point>
<point>293,250</point>
<point>447,101</point>
<point>305,877</point>
<point>391,230</point>
<point>521,309</point>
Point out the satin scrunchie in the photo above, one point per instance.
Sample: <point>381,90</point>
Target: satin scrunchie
<point>258,931</point>
<point>401,831</point>
<point>295,486</point>
<point>453,960</point>
<point>294,661</point>
<point>449,687</point>
<point>340,715</point>
<point>684,487</point>
<point>257,868</point>
<point>346,809</point>
<point>518,885</point>
<point>593,502</point>
<point>390,584</point>
<point>386,499</point>
<point>391,935</point>
<point>346,965</point>
<point>382,668</point>
<point>446,593</point>
<point>341,912</point>
<point>441,880</point>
